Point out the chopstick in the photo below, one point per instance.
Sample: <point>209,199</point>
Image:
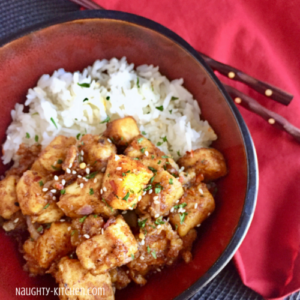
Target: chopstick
<point>261,87</point>
<point>271,117</point>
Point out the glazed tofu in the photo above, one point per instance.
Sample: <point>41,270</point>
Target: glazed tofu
<point>51,158</point>
<point>122,131</point>
<point>188,241</point>
<point>52,245</point>
<point>124,181</point>
<point>71,276</point>
<point>119,278</point>
<point>96,150</point>
<point>115,247</point>
<point>149,154</point>
<point>49,214</point>
<point>71,159</point>
<point>8,196</point>
<point>194,207</point>
<point>82,199</point>
<point>164,191</point>
<point>208,161</point>
<point>159,246</point>
<point>29,192</point>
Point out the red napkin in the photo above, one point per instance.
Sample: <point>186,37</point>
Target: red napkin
<point>261,38</point>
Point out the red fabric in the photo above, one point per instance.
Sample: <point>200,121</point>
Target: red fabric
<point>261,38</point>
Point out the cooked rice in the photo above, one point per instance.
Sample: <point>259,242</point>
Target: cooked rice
<point>115,90</point>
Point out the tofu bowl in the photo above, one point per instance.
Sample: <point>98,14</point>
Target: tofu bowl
<point>126,177</point>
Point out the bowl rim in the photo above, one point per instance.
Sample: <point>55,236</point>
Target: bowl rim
<point>251,158</point>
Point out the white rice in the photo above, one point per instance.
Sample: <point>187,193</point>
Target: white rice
<point>131,92</point>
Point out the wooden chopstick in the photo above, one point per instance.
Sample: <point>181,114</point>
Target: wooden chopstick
<point>271,117</point>
<point>261,87</point>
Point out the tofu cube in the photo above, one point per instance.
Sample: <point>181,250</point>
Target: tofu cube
<point>29,192</point>
<point>122,131</point>
<point>194,207</point>
<point>124,181</point>
<point>52,245</point>
<point>82,199</point>
<point>96,150</point>
<point>51,158</point>
<point>115,247</point>
<point>8,196</point>
<point>165,191</point>
<point>49,214</point>
<point>208,161</point>
<point>71,277</point>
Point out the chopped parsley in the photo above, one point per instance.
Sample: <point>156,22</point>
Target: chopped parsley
<point>85,85</point>
<point>107,98</point>
<point>152,169</point>
<point>142,223</point>
<point>54,168</point>
<point>62,192</point>
<point>36,138</point>
<point>143,150</point>
<point>41,183</point>
<point>154,254</point>
<point>165,156</point>
<point>159,221</point>
<point>81,220</point>
<point>40,229</point>
<point>182,217</point>
<point>73,232</point>
<point>159,143</point>
<point>46,206</point>
<point>140,140</point>
<point>152,178</point>
<point>95,216</point>
<point>138,82</point>
<point>136,158</point>
<point>106,120</point>
<point>85,99</point>
<point>107,204</point>
<point>60,161</point>
<point>176,226</point>
<point>161,108</point>
<point>148,249</point>
<point>171,180</point>
<point>203,161</point>
<point>27,135</point>
<point>144,133</point>
<point>170,111</point>
<point>174,98</point>
<point>126,197</point>
<point>92,175</point>
<point>159,162</point>
<point>91,192</point>
<point>147,188</point>
<point>182,205</point>
<point>52,120</point>
<point>178,153</point>
<point>132,256</point>
<point>158,188</point>
<point>164,139</point>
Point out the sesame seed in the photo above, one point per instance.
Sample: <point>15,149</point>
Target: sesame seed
<point>16,220</point>
<point>172,209</point>
<point>101,191</point>
<point>79,176</point>
<point>146,153</point>
<point>69,228</point>
<point>104,189</point>
<point>150,191</point>
<point>139,198</point>
<point>156,202</point>
<point>142,257</point>
<point>45,189</point>
<point>117,157</point>
<point>208,214</point>
<point>63,182</point>
<point>102,231</point>
<point>158,270</point>
<point>82,165</point>
<point>103,170</point>
<point>68,171</point>
<point>87,170</point>
<point>81,152</point>
<point>158,226</point>
<point>95,180</point>
<point>198,225</point>
<point>85,179</point>
<point>54,198</point>
<point>155,198</point>
<point>142,242</point>
<point>120,179</point>
<point>144,193</point>
<point>130,208</point>
<point>109,140</point>
<point>156,216</point>
<point>86,236</point>
<point>55,177</point>
<point>70,165</point>
<point>201,191</point>
<point>8,137</point>
<point>268,92</point>
<point>238,100</point>
<point>53,191</point>
<point>177,201</point>
<point>124,212</point>
<point>196,205</point>
<point>74,172</point>
<point>271,121</point>
<point>81,185</point>
<point>118,168</point>
<point>62,220</point>
<point>127,272</point>
<point>231,74</point>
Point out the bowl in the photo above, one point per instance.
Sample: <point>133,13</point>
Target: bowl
<point>75,41</point>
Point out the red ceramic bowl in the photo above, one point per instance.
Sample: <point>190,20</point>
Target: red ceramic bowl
<point>75,41</point>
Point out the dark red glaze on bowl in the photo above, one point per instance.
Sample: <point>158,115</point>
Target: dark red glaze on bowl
<point>75,42</point>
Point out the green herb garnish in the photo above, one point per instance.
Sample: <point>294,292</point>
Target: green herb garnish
<point>78,136</point>
<point>182,217</point>
<point>81,220</point>
<point>143,150</point>
<point>62,192</point>
<point>54,168</point>
<point>174,98</point>
<point>85,99</point>
<point>36,138</point>
<point>171,180</point>
<point>85,85</point>
<point>178,153</point>
<point>27,135</point>
<point>107,98</point>
<point>152,169</point>
<point>140,140</point>
<point>132,256</point>
<point>161,108</point>
<point>46,206</point>
<point>92,175</point>
<point>144,133</point>
<point>41,183</point>
<point>106,120</point>
<point>182,205</point>
<point>138,82</point>
<point>52,120</point>
<point>154,254</point>
<point>91,192</point>
<point>126,197</point>
<point>148,249</point>
<point>142,223</point>
<point>40,229</point>
<point>107,204</point>
<point>159,221</point>
<point>60,161</point>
